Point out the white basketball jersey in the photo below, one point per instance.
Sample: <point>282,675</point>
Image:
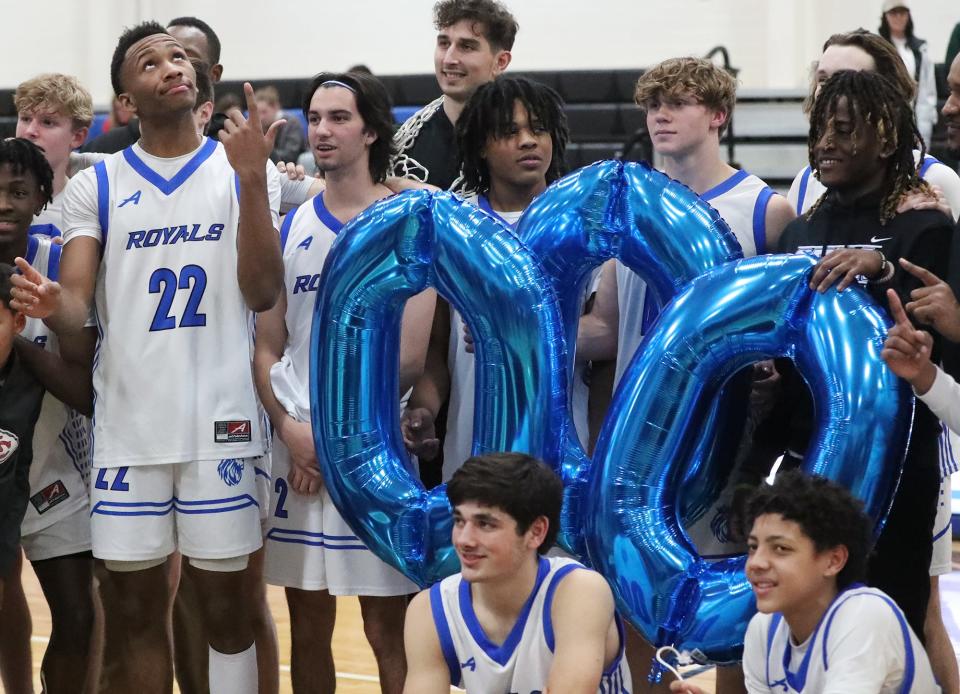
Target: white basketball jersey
<point>60,471</point>
<point>742,201</point>
<point>173,370</point>
<point>458,442</point>
<point>862,643</point>
<point>49,222</point>
<point>306,236</point>
<point>521,664</point>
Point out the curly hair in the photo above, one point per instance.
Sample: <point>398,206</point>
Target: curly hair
<point>678,78</point>
<point>885,57</point>
<point>374,106</point>
<point>518,484</point>
<point>826,512</point>
<point>62,94</point>
<point>489,113</point>
<point>497,25</point>
<point>876,105</point>
<point>25,157</point>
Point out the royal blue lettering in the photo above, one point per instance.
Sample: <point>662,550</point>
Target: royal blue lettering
<point>306,283</point>
<point>181,234</point>
<point>152,238</point>
<point>135,239</point>
<point>169,236</point>
<point>305,244</point>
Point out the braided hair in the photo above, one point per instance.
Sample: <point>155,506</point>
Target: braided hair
<point>875,103</point>
<point>25,157</point>
<point>489,113</point>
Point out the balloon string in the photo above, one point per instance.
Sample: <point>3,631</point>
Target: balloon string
<point>665,663</point>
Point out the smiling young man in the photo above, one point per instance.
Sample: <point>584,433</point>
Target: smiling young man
<point>818,628</point>
<point>170,297</point>
<point>862,136</point>
<point>55,532</point>
<point>512,136</point>
<point>54,112</point>
<point>310,549</point>
<point>474,40</point>
<point>512,620</point>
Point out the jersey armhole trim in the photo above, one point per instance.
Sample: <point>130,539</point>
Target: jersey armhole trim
<point>802,193</point>
<point>285,228</point>
<point>760,219</point>
<point>443,633</point>
<point>909,665</point>
<point>558,576</point>
<point>103,201</point>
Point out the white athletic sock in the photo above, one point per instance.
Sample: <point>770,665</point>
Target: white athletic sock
<point>234,673</point>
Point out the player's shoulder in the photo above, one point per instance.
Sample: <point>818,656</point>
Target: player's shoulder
<point>864,609</point>
<point>420,604</point>
<point>573,581</point>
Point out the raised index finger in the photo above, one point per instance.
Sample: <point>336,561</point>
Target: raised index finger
<point>921,273</point>
<point>252,115</point>
<point>896,308</point>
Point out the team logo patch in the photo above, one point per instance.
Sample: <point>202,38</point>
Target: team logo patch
<point>50,496</point>
<point>231,471</point>
<point>232,432</point>
<point>9,443</point>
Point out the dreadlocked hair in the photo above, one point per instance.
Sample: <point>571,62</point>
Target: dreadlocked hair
<point>875,104</point>
<point>25,157</point>
<point>489,113</point>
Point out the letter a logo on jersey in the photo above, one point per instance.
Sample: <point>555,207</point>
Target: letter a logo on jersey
<point>305,244</point>
<point>472,664</point>
<point>135,199</point>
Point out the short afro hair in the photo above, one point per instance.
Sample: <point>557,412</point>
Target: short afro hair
<point>25,157</point>
<point>127,39</point>
<point>826,512</point>
<point>213,41</point>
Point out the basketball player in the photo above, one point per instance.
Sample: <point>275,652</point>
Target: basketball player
<point>310,550</point>
<point>171,453</point>
<point>818,628</point>
<point>27,185</point>
<point>512,136</point>
<point>512,620</point>
<point>54,112</point>
<point>688,103</point>
<point>474,40</point>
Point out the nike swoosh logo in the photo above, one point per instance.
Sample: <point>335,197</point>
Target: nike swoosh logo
<point>874,239</point>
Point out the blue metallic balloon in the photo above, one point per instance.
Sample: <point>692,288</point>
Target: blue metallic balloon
<point>724,320</point>
<point>392,251</point>
<point>661,230</point>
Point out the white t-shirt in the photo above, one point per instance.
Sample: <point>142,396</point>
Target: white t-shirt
<point>862,645</point>
<point>172,375</point>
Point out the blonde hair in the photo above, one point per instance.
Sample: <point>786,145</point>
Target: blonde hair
<point>678,78</point>
<point>61,93</point>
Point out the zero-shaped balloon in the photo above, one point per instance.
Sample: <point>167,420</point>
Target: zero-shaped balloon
<point>663,231</point>
<point>730,317</point>
<point>393,250</point>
